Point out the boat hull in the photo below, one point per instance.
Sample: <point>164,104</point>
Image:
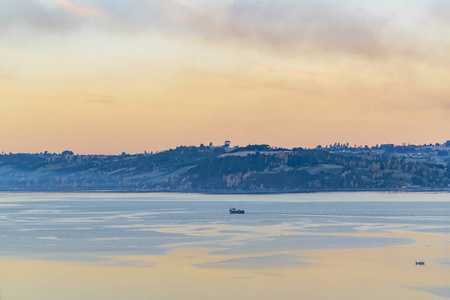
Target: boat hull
<point>236,211</point>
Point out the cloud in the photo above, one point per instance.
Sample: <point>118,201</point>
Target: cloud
<point>94,98</point>
<point>291,25</point>
<point>446,105</point>
<point>82,10</point>
<point>442,102</point>
<point>48,16</point>
<point>212,45</point>
<point>284,27</point>
<point>33,16</point>
<point>289,71</point>
<point>440,10</point>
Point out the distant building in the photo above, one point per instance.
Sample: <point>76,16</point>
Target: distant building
<point>227,144</point>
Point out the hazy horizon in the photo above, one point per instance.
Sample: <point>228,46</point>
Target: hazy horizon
<point>97,76</point>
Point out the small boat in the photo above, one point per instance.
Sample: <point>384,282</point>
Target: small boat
<point>420,263</point>
<point>236,211</point>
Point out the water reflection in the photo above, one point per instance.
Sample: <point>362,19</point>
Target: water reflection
<point>164,246</point>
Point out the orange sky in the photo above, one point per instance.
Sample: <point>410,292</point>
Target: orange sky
<point>96,76</point>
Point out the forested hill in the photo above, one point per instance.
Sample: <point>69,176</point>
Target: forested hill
<point>255,168</point>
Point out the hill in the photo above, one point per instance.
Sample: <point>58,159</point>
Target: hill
<point>255,168</point>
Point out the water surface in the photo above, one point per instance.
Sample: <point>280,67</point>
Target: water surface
<point>192,236</point>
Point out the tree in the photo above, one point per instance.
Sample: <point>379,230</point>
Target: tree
<point>418,181</point>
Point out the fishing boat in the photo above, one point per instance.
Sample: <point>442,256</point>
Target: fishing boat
<point>236,211</point>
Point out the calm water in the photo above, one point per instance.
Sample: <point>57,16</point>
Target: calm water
<point>86,227</point>
<point>340,246</point>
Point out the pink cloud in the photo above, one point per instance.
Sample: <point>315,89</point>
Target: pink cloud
<point>82,10</point>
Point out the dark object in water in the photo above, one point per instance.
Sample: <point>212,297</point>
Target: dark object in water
<point>236,211</point>
<point>420,263</point>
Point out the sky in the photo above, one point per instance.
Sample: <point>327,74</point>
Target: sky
<point>107,76</point>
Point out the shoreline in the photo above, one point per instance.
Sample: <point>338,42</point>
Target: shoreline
<point>232,192</point>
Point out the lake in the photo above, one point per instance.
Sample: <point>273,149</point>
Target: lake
<point>188,246</point>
